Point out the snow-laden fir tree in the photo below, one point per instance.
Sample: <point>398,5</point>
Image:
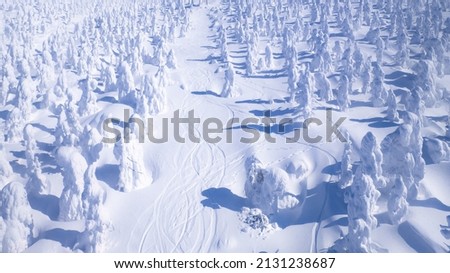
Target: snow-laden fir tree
<point>346,178</point>
<point>372,160</point>
<point>14,125</point>
<point>155,95</point>
<point>323,86</point>
<point>425,79</point>
<point>342,94</point>
<point>392,107</point>
<point>228,89</point>
<point>25,91</point>
<point>361,201</point>
<point>74,166</point>
<point>397,204</point>
<point>133,172</point>
<point>268,57</point>
<point>5,168</point>
<point>93,238</point>
<point>264,187</point>
<point>414,103</point>
<point>171,60</point>
<point>88,102</point>
<point>90,143</point>
<point>110,78</point>
<point>17,218</point>
<point>125,81</point>
<point>402,154</point>
<point>293,77</point>
<point>377,89</point>
<point>36,181</point>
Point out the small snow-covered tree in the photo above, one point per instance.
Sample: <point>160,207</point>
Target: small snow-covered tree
<point>133,173</point>
<point>5,168</point>
<point>88,102</point>
<point>346,166</point>
<point>125,82</point>
<point>323,85</point>
<point>110,79</point>
<point>155,95</point>
<point>171,60</point>
<point>91,144</point>
<point>268,57</point>
<point>392,113</point>
<point>228,89</point>
<point>377,89</point>
<point>402,154</point>
<point>397,204</point>
<point>16,214</point>
<point>265,187</point>
<point>74,166</point>
<point>372,159</point>
<point>342,94</point>
<point>93,238</point>
<point>14,125</point>
<point>361,206</point>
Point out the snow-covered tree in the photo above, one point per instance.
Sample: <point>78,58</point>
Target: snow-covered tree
<point>91,144</point>
<point>5,168</point>
<point>343,91</point>
<point>110,79</point>
<point>265,187</point>
<point>377,88</point>
<point>392,113</point>
<point>93,238</point>
<point>88,101</point>
<point>397,204</point>
<point>323,86</point>
<point>268,57</point>
<point>171,60</point>
<point>228,89</point>
<point>16,214</point>
<point>361,206</point>
<point>402,154</point>
<point>74,166</point>
<point>133,172</point>
<point>14,125</point>
<point>155,95</point>
<point>346,166</point>
<point>125,81</point>
<point>372,159</point>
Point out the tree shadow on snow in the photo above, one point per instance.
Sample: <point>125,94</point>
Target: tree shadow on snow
<point>414,238</point>
<point>47,204</point>
<point>108,173</point>
<point>322,202</point>
<point>260,101</point>
<point>67,238</point>
<point>205,93</point>
<point>223,198</point>
<point>430,203</point>
<point>377,122</point>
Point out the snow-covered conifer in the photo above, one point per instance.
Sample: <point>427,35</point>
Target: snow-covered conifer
<point>16,214</point>
<point>392,113</point>
<point>74,166</point>
<point>372,159</point>
<point>361,206</point>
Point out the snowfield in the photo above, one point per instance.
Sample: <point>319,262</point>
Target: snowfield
<point>225,126</point>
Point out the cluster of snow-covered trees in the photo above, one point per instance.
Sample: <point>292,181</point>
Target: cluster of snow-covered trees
<point>104,52</point>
